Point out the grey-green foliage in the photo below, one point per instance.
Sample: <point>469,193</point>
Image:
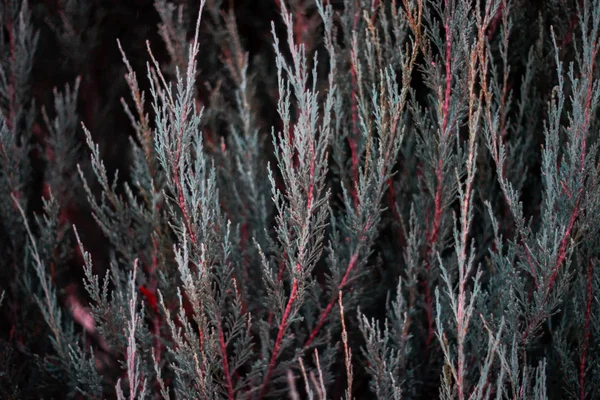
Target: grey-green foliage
<point>63,147</point>
<point>397,184</point>
<point>69,360</point>
<point>18,44</point>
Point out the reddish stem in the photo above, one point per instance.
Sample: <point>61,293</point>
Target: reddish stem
<point>586,330</point>
<point>181,198</point>
<point>279,279</point>
<point>431,241</point>
<point>374,8</point>
<point>562,253</point>
<point>280,334</point>
<point>572,23</point>
<point>150,298</point>
<point>495,22</point>
<point>433,237</point>
<point>327,309</point>
<point>223,347</point>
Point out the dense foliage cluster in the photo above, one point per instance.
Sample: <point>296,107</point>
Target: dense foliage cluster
<point>359,199</point>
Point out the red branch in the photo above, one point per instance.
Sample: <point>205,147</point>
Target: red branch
<point>569,34</point>
<point>434,235</point>
<point>432,238</point>
<point>280,334</point>
<point>183,207</point>
<point>293,294</point>
<point>586,330</point>
<point>178,182</point>
<point>223,346</point>
<point>495,22</point>
<point>327,310</point>
<point>562,253</point>
<point>279,279</point>
<point>150,298</point>
<point>374,7</point>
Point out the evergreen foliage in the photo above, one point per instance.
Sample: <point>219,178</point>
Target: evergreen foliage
<point>335,199</point>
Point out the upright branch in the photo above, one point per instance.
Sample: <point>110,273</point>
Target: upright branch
<point>566,170</point>
<point>301,152</point>
<point>389,102</point>
<point>132,360</point>
<point>447,115</point>
<point>463,305</point>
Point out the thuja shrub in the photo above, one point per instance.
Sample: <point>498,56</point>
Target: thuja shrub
<point>380,199</point>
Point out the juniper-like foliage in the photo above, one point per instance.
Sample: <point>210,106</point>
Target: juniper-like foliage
<point>355,199</point>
